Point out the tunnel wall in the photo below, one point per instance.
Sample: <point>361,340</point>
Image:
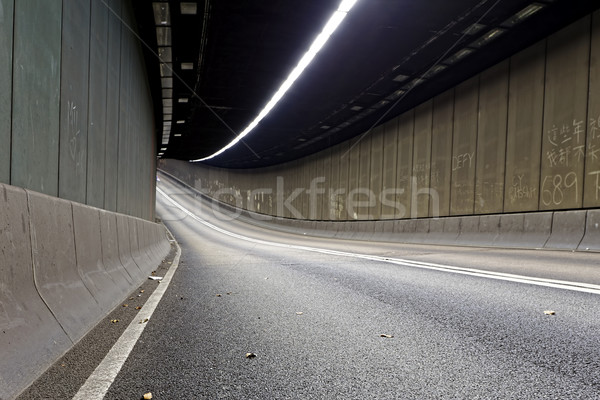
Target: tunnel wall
<point>76,116</point>
<point>522,136</point>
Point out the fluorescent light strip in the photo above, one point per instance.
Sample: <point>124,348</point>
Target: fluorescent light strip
<point>335,20</point>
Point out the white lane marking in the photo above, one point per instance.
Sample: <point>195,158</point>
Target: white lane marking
<point>559,284</point>
<point>96,386</point>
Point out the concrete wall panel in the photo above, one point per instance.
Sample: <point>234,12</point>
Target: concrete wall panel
<point>524,135</point>
<point>367,200</point>
<point>74,100</point>
<point>334,211</point>
<point>565,117</point>
<point>376,174</point>
<point>344,179</point>
<point>422,161</point>
<point>591,195</point>
<point>404,166</point>
<point>321,183</point>
<point>464,148</point>
<point>390,156</point>
<point>6,56</point>
<point>441,151</point>
<point>36,95</point>
<point>325,202</point>
<point>353,157</point>
<point>491,140</point>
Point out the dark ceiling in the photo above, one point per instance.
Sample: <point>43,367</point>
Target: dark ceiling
<point>385,58</point>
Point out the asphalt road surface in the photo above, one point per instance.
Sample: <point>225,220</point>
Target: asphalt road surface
<point>332,319</point>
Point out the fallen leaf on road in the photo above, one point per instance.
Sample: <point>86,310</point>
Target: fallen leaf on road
<point>299,313</point>
<point>549,312</point>
<point>125,305</point>
<point>155,278</point>
<point>138,308</point>
<point>218,295</point>
<point>386,336</point>
<point>141,291</point>
<point>147,396</point>
<point>143,321</point>
<point>250,355</point>
<point>114,321</point>
<point>131,298</point>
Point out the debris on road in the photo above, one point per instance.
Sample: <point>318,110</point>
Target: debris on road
<point>250,355</point>
<point>549,312</point>
<point>147,396</point>
<point>386,336</point>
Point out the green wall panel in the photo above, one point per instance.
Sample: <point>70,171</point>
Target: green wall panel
<point>6,49</point>
<point>96,151</point>
<point>74,100</point>
<point>36,95</point>
<point>112,109</point>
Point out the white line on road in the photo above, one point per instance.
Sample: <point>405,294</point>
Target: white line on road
<point>558,284</point>
<point>96,386</point>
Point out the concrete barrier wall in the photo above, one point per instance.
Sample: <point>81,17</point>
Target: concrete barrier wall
<point>63,267</point>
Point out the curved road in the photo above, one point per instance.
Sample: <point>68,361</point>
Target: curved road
<point>334,319</point>
<point>315,321</point>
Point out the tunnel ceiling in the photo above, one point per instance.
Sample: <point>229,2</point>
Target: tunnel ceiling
<point>226,58</point>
